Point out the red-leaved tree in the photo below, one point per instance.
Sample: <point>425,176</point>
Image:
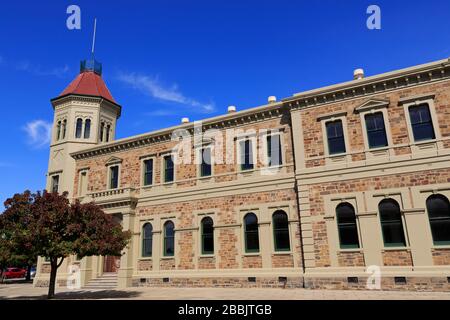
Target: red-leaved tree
<point>51,227</point>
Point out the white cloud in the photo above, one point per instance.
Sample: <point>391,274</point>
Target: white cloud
<point>152,87</point>
<point>36,69</point>
<point>39,133</point>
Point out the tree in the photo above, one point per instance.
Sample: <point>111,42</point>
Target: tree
<point>48,225</point>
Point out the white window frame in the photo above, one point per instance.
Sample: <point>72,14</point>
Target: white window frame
<point>108,181</point>
<point>80,185</point>
<point>265,147</point>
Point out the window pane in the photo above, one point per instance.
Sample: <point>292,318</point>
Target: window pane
<point>169,239</point>
<point>87,129</point>
<point>114,177</point>
<point>421,122</point>
<point>168,169</point>
<point>376,132</point>
<point>206,162</point>
<point>391,223</point>
<point>348,232</point>
<point>281,231</point>
<point>148,172</point>
<point>251,233</point>
<point>78,128</point>
<point>246,155</point>
<point>438,208</point>
<point>147,240</point>
<point>274,150</point>
<point>335,134</point>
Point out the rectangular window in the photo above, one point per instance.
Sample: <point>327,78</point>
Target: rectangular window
<point>376,132</point>
<point>335,135</point>
<point>274,157</point>
<point>205,167</point>
<point>114,177</point>
<point>421,122</point>
<point>148,172</point>
<point>246,155</point>
<point>55,183</point>
<point>168,169</point>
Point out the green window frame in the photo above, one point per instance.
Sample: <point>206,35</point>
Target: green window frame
<point>438,207</point>
<point>347,226</point>
<point>207,235</point>
<point>391,223</point>
<point>251,233</point>
<point>147,240</point>
<point>169,239</point>
<point>281,237</point>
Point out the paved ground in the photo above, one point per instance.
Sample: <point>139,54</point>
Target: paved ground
<point>20,290</point>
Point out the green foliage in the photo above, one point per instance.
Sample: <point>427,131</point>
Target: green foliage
<point>48,225</point>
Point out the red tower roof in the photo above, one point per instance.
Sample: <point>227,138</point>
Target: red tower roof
<point>88,83</point>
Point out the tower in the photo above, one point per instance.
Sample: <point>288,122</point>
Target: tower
<point>85,115</point>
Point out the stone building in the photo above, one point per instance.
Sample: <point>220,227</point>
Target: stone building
<point>329,188</point>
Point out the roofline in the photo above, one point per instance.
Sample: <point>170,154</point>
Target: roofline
<point>368,80</point>
<point>208,121</point>
<point>54,100</point>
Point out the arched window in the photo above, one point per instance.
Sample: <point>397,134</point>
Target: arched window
<point>147,240</point>
<point>391,223</point>
<point>64,127</point>
<point>207,235</point>
<point>251,233</point>
<point>108,129</point>
<point>58,130</point>
<point>281,231</point>
<point>78,128</point>
<point>347,229</point>
<point>87,128</point>
<point>169,239</point>
<point>438,208</point>
<point>102,128</point>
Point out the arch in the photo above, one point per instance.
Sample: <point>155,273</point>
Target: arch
<point>169,239</point>
<point>147,240</point>
<point>207,235</point>
<point>280,223</point>
<point>438,208</point>
<point>251,232</point>
<point>391,223</point>
<point>347,227</point>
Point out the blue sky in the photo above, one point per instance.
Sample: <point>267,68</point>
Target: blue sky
<point>166,59</point>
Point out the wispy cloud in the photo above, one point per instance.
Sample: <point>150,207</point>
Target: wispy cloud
<point>153,87</point>
<point>38,70</point>
<point>38,132</point>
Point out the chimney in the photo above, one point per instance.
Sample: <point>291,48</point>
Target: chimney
<point>272,99</point>
<point>231,109</point>
<point>184,120</point>
<point>358,74</point>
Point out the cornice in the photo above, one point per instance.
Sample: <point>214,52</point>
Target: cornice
<point>387,82</point>
<point>253,115</point>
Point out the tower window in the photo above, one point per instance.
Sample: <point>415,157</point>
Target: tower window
<point>87,128</point>
<point>78,128</point>
<point>58,130</point>
<point>108,129</point>
<point>55,183</point>
<point>64,127</point>
<point>102,128</point>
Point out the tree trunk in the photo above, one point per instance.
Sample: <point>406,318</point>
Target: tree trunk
<point>28,277</point>
<point>54,268</point>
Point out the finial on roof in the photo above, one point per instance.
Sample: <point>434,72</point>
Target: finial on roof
<point>92,64</point>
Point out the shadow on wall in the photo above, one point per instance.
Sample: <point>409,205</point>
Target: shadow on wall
<point>82,294</point>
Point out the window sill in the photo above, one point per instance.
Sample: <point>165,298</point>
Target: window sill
<point>251,254</point>
<point>281,253</point>
<point>145,259</point>
<point>167,258</point>
<point>396,249</point>
<point>350,250</point>
<point>442,246</point>
<point>207,256</point>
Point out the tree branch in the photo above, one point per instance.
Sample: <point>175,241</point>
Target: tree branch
<point>60,263</point>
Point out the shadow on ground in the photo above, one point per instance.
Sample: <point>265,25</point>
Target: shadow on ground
<point>83,295</point>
